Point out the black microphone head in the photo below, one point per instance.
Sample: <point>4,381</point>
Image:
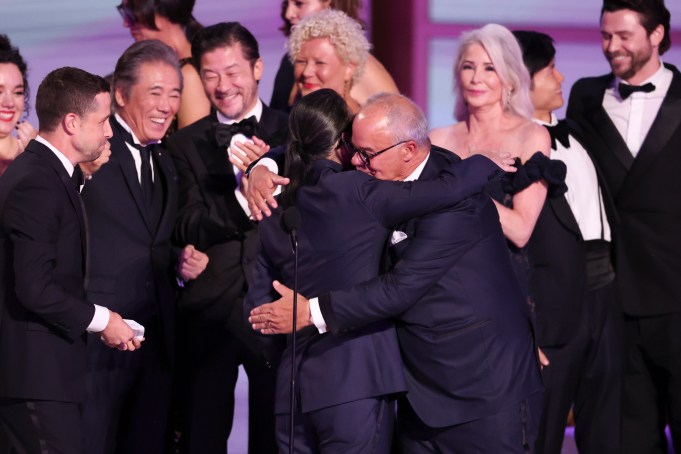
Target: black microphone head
<point>291,219</point>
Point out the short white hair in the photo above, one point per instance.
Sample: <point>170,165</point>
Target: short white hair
<point>344,33</point>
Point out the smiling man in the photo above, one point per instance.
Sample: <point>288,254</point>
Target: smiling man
<point>131,205</point>
<point>210,156</point>
<point>633,121</point>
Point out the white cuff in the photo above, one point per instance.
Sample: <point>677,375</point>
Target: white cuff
<point>316,314</point>
<point>99,321</point>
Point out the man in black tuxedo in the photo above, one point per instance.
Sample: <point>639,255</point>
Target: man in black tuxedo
<point>131,203</point>
<point>632,119</point>
<point>577,315</point>
<point>464,331</point>
<point>45,314</point>
<point>210,156</point>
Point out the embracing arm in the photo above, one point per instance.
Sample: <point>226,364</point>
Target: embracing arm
<point>395,202</point>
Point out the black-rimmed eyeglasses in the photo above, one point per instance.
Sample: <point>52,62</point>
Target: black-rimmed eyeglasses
<point>364,156</point>
<point>127,14</point>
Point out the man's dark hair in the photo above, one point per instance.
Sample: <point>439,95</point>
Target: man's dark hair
<point>538,49</point>
<point>10,54</point>
<point>224,34</point>
<point>176,11</point>
<point>128,65</point>
<point>64,91</point>
<point>651,12</point>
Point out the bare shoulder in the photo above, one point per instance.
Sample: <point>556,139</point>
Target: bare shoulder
<point>376,79</point>
<point>534,138</point>
<point>449,137</point>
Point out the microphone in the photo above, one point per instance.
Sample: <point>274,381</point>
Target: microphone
<point>291,221</point>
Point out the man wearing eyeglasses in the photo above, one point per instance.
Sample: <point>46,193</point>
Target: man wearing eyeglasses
<point>464,331</point>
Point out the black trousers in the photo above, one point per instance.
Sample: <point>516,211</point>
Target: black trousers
<point>511,430</point>
<point>207,370</point>
<point>362,426</point>
<point>586,373</point>
<point>37,427</point>
<point>128,397</point>
<point>652,384</point>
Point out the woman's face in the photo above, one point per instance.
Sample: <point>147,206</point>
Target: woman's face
<point>317,65</point>
<point>479,81</point>
<point>298,9</point>
<point>11,97</point>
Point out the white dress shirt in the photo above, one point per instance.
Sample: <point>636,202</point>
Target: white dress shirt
<point>634,116</point>
<point>136,155</point>
<point>584,194</point>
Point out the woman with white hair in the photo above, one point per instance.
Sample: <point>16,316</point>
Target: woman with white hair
<point>494,110</point>
<point>328,50</point>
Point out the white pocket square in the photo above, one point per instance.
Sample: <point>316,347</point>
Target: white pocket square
<point>397,236</point>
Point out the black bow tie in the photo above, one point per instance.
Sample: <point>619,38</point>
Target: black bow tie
<point>560,133</point>
<point>626,90</point>
<point>224,133</point>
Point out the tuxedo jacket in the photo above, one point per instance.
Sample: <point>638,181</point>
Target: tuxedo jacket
<point>558,276</point>
<point>646,194</point>
<point>346,220</point>
<point>44,312</point>
<point>132,264</point>
<point>464,330</point>
<point>211,218</point>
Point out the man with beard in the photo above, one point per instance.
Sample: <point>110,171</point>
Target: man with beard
<point>633,122</point>
<point>131,205</point>
<point>43,244</point>
<point>214,215</point>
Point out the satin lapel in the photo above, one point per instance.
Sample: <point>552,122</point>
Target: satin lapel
<point>603,126</point>
<point>561,208</point>
<point>214,157</point>
<point>121,154</point>
<point>666,124</point>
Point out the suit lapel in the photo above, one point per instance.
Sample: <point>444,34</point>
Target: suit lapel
<point>606,130</point>
<point>667,122</point>
<point>72,193</point>
<point>561,209</point>
<point>120,150</point>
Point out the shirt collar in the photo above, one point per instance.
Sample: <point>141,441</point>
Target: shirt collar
<point>135,140</point>
<point>656,79</point>
<point>417,171</point>
<point>256,112</point>
<point>552,122</point>
<point>64,160</point>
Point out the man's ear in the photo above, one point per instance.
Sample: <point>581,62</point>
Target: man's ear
<point>70,123</point>
<point>257,69</point>
<point>409,150</point>
<point>118,96</point>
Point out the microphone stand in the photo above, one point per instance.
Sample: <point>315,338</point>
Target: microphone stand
<point>294,244</point>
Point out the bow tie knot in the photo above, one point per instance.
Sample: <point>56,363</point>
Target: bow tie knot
<point>626,90</point>
<point>559,133</point>
<point>225,132</point>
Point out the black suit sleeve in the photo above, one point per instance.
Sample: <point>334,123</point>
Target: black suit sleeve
<point>200,221</point>
<point>34,214</point>
<point>433,250</point>
<point>394,204</point>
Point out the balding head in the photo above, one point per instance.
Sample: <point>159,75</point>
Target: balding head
<point>390,121</point>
